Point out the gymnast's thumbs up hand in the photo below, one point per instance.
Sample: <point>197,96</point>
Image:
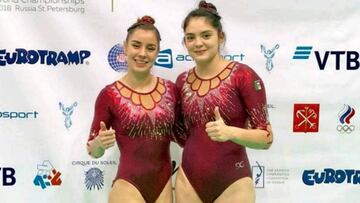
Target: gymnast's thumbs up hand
<point>106,137</point>
<point>217,130</point>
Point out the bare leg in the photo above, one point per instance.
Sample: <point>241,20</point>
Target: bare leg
<point>184,192</point>
<point>241,190</point>
<point>166,195</point>
<point>123,191</point>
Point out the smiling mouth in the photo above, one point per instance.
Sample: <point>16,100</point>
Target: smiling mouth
<point>141,62</point>
<point>200,52</point>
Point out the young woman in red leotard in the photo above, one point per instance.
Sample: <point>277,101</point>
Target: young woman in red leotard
<point>138,112</point>
<point>224,108</point>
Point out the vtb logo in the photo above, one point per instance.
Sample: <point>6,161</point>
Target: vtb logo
<point>8,176</point>
<point>347,59</point>
<point>306,118</point>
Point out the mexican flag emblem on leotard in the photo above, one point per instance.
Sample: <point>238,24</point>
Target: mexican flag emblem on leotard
<point>257,85</point>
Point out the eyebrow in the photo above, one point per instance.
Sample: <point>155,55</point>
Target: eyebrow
<point>138,42</point>
<point>203,32</point>
<point>135,41</point>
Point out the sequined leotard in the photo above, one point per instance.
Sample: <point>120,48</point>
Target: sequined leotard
<point>144,124</point>
<point>240,95</point>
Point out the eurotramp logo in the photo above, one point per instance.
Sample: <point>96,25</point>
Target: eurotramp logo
<point>348,60</point>
<point>43,57</point>
<point>331,176</point>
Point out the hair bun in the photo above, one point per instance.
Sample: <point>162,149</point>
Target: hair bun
<point>209,7</point>
<point>146,20</point>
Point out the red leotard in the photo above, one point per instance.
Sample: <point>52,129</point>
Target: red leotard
<point>239,93</point>
<point>144,125</point>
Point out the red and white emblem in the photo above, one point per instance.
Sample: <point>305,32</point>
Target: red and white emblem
<point>306,118</point>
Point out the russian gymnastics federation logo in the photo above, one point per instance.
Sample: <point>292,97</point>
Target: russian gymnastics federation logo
<point>94,179</point>
<point>346,113</point>
<point>258,175</point>
<point>117,58</point>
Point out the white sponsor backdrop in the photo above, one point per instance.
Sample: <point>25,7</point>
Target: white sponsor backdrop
<point>36,132</point>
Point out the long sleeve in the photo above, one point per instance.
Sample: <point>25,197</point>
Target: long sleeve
<point>102,112</point>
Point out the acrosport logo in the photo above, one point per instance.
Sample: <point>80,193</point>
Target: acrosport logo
<point>44,57</point>
<point>18,115</point>
<point>164,59</point>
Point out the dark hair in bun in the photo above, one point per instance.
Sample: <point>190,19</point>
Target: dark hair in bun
<point>145,23</point>
<point>207,10</point>
<point>209,7</point>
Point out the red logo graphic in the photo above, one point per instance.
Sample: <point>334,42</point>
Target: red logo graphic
<point>306,118</point>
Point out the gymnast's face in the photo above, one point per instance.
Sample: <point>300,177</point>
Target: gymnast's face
<point>202,40</point>
<point>141,50</point>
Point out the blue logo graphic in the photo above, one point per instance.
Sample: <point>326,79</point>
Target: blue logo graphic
<point>329,175</point>
<point>46,57</point>
<point>351,57</point>
<point>302,52</point>
<point>47,175</point>
<point>344,118</point>
<point>67,112</point>
<point>94,179</point>
<point>231,57</point>
<point>269,55</point>
<point>258,175</point>
<point>117,58</point>
<point>164,59</point>
<point>18,115</point>
<point>8,176</point>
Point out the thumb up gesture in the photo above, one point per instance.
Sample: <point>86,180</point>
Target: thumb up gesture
<point>217,130</point>
<point>217,114</point>
<point>106,137</point>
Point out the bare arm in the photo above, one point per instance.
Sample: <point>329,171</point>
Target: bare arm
<point>253,138</point>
